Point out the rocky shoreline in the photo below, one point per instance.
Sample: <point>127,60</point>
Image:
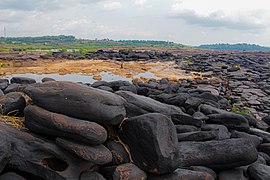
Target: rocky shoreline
<point>119,130</point>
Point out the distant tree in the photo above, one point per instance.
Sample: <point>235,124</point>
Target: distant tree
<point>239,46</point>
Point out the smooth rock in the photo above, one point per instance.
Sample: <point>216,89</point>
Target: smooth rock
<point>197,136</point>
<point>263,134</point>
<point>203,169</point>
<point>11,176</point>
<point>185,128</point>
<point>3,86</point>
<point>105,88</point>
<point>266,119</point>
<point>46,79</point>
<point>4,80</point>
<point>265,157</point>
<point>174,99</point>
<point>129,171</point>
<point>254,138</point>
<point>123,171</point>
<point>235,174</point>
<point>185,119</point>
<point>183,174</point>
<point>41,121</point>
<point>200,116</point>
<point>137,105</point>
<point>22,80</point>
<point>225,154</point>
<point>230,120</point>
<point>78,101</point>
<point>265,148</point>
<point>152,141</point>
<point>222,131</point>
<point>41,158</point>
<point>88,175</point>
<point>5,155</point>
<point>15,88</point>
<point>99,154</point>
<point>12,104</point>
<point>259,171</point>
<point>119,153</point>
<point>207,109</point>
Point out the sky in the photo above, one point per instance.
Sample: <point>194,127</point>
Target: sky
<point>190,22</point>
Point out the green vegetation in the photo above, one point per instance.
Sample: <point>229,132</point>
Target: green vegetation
<point>70,44</point>
<point>240,46</point>
<point>244,112</point>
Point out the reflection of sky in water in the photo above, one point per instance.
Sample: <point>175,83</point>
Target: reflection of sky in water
<point>81,78</point>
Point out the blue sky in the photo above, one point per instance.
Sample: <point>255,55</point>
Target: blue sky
<point>191,22</point>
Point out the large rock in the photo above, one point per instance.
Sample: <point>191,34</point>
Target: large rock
<point>12,104</point>
<point>42,121</point>
<point>3,86</point>
<point>97,154</point>
<point>11,176</point>
<point>137,105</point>
<point>263,134</point>
<point>222,131</point>
<point>207,109</point>
<point>264,147</point>
<point>129,171</point>
<point>41,158</point>
<point>22,80</point>
<point>123,171</point>
<point>152,141</point>
<point>5,154</point>
<point>78,101</point>
<point>119,153</point>
<point>198,136</point>
<point>15,88</point>
<point>203,169</point>
<point>266,119</point>
<point>235,174</point>
<point>4,80</point>
<point>185,128</point>
<point>238,134</point>
<point>180,174</point>
<point>225,154</point>
<point>230,120</point>
<point>88,175</point>
<point>1,93</point>
<point>259,171</point>
<point>185,119</point>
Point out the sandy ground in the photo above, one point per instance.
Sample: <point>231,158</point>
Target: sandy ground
<point>93,67</point>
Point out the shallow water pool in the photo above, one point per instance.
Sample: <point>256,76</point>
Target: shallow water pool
<point>82,77</point>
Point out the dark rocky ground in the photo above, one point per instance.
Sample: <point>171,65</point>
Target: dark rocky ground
<point>213,127</point>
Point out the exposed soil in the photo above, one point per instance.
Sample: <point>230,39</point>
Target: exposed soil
<point>125,69</point>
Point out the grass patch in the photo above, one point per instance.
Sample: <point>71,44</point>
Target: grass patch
<point>17,122</point>
<point>244,112</point>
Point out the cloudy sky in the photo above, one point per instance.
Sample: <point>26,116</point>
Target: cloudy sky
<point>190,22</point>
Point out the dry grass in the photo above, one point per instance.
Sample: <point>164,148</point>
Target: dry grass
<point>17,122</point>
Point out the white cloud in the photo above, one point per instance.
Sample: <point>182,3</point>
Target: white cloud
<point>110,6</point>
<point>140,2</point>
<point>222,14</point>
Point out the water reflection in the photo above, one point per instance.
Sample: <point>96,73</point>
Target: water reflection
<point>81,77</point>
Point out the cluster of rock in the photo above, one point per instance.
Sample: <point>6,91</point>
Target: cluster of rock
<point>130,55</point>
<point>112,130</point>
<point>18,56</point>
<point>118,55</point>
<point>246,76</point>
